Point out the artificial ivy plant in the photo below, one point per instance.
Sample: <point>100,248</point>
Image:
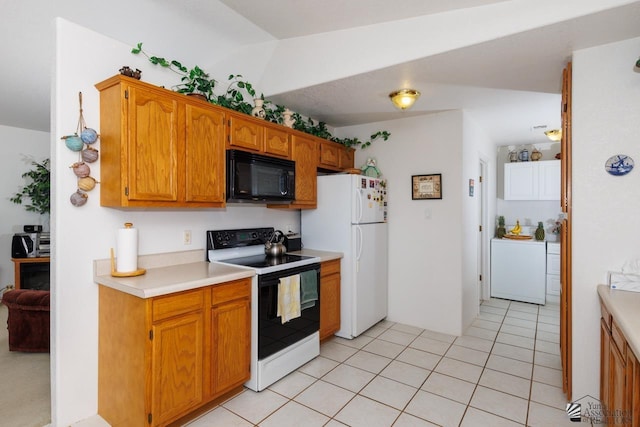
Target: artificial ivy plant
<point>196,80</point>
<point>37,189</point>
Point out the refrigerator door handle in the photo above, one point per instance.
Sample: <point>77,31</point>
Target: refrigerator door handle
<point>359,208</point>
<point>358,247</point>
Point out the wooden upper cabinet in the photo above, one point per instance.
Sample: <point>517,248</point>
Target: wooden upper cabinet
<point>276,142</point>
<point>346,158</point>
<point>304,153</point>
<point>329,154</point>
<point>204,153</point>
<point>245,133</point>
<point>153,146</point>
<point>251,134</point>
<point>159,148</point>
<point>334,156</point>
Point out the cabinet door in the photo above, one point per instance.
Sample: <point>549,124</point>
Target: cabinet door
<point>276,142</point>
<point>176,366</point>
<point>553,263</point>
<point>617,384</point>
<point>605,352</point>
<point>204,158</point>
<point>633,390</point>
<point>346,158</point>
<point>329,154</point>
<point>153,146</point>
<point>231,341</point>
<point>520,181</point>
<point>245,134</point>
<point>329,305</point>
<point>549,180</point>
<point>304,153</point>
<point>553,284</point>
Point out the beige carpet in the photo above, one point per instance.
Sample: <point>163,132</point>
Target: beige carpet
<point>25,384</point>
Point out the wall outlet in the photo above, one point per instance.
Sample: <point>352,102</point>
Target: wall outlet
<point>186,237</point>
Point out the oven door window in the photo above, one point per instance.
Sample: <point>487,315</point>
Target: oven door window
<point>273,335</point>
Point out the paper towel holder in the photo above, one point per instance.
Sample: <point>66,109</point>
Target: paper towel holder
<point>114,273</point>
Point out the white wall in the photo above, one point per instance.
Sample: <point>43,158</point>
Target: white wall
<point>425,263</point>
<point>476,147</point>
<point>606,90</point>
<point>83,234</point>
<point>20,148</point>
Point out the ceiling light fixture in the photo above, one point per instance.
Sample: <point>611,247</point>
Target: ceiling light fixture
<point>404,98</point>
<point>554,135</point>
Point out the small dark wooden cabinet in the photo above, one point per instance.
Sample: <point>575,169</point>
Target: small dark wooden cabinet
<point>32,273</point>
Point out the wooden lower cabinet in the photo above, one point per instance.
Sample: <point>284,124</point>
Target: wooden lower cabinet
<point>329,298</point>
<point>619,376</point>
<point>230,335</point>
<point>161,358</point>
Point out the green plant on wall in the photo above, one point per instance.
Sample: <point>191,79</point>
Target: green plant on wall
<point>354,142</point>
<point>37,189</point>
<point>233,97</point>
<point>196,80</point>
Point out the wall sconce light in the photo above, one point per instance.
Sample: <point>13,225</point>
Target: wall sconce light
<point>554,134</point>
<point>404,98</point>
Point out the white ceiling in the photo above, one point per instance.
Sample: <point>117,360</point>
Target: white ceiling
<point>508,85</point>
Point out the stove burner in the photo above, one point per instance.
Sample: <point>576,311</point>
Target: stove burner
<point>261,261</point>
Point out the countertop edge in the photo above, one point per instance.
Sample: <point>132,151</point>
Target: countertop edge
<point>323,255</point>
<point>159,281</point>
<point>188,268</point>
<point>623,306</point>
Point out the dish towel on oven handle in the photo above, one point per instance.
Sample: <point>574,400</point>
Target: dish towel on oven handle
<point>289,297</point>
<point>308,289</point>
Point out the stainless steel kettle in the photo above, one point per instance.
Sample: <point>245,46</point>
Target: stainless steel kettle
<point>275,246</point>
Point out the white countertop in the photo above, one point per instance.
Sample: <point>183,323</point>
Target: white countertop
<point>180,271</point>
<point>168,273</point>
<point>624,306</point>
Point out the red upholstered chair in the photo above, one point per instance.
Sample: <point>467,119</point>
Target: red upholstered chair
<point>28,321</point>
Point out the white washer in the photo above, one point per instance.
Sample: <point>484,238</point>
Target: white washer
<point>518,270</point>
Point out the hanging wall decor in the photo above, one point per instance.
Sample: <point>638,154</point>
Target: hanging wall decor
<point>426,187</point>
<point>81,141</point>
<point>619,165</point>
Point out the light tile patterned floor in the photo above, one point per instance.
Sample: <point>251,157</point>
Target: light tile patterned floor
<point>504,371</point>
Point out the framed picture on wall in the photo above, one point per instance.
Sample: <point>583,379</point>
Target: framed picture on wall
<point>426,187</point>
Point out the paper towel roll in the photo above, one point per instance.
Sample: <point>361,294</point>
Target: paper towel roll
<point>127,249</point>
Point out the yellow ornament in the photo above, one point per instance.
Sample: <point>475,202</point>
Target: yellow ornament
<point>86,183</point>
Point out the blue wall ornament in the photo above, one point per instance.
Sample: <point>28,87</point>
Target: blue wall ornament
<point>619,165</point>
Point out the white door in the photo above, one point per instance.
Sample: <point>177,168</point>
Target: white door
<point>479,194</point>
<point>370,296</point>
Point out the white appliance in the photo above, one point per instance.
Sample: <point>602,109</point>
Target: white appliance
<point>277,348</point>
<point>518,270</point>
<point>351,218</point>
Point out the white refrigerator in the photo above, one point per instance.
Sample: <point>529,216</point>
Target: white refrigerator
<point>351,218</point>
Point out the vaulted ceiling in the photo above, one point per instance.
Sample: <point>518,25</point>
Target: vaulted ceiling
<point>509,83</point>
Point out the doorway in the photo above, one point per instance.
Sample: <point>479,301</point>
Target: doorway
<point>483,235</point>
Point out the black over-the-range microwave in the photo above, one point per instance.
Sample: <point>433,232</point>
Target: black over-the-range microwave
<point>259,179</point>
